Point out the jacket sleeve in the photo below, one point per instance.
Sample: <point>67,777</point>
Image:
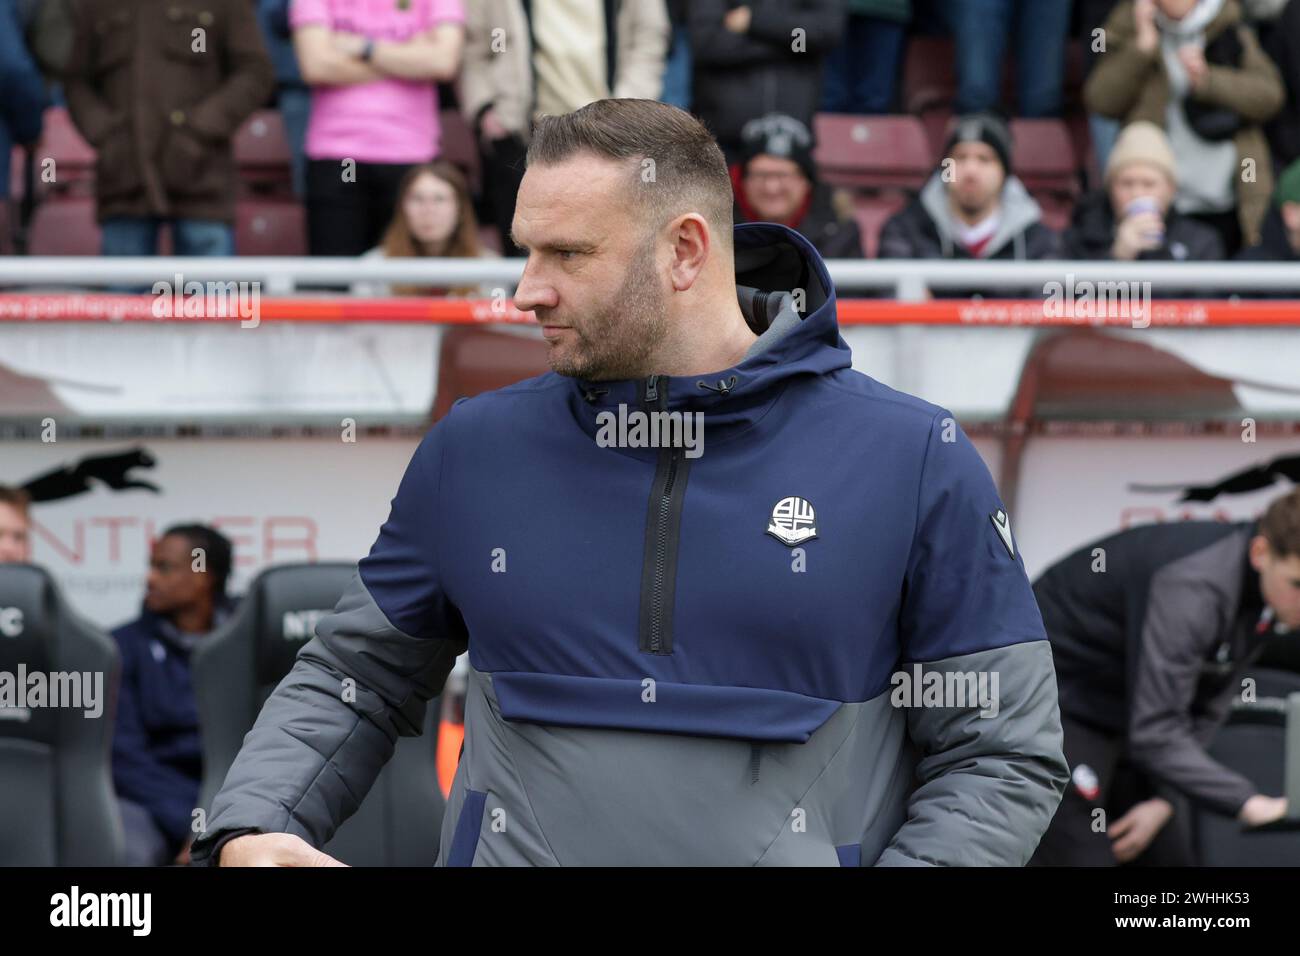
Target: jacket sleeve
<point>1254,89</point>
<point>23,103</point>
<point>140,777</point>
<point>250,78</point>
<point>990,776</point>
<point>641,54</point>
<point>776,20</point>
<point>1178,633</point>
<point>364,680</point>
<point>94,118</point>
<point>1121,73</point>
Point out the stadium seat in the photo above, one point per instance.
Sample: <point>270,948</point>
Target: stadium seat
<point>1044,157</point>
<point>1253,743</point>
<point>270,227</point>
<point>262,153</point>
<point>872,152</point>
<point>64,226</point>
<point>871,213</point>
<point>238,666</point>
<point>74,158</point>
<point>479,360</point>
<point>57,805</point>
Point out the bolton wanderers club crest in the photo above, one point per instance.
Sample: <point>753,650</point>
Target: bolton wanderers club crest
<point>793,521</point>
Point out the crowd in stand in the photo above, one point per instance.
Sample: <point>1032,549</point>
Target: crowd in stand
<point>1192,114</point>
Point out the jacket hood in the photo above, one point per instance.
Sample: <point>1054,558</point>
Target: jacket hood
<point>787,297</point>
<point>1019,213</point>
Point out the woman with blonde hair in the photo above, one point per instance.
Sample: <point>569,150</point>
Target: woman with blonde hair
<point>434,217</point>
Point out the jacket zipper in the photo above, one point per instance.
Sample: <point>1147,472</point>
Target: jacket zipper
<point>659,567</point>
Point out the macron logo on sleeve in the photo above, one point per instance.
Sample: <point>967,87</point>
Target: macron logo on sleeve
<point>1002,524</point>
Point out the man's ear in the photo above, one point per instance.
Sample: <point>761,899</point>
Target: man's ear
<point>692,244</point>
<point>1260,552</point>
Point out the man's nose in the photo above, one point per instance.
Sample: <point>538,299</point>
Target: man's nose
<point>532,292</point>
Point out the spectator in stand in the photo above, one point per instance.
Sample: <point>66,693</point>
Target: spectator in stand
<point>1103,130</point>
<point>765,56</point>
<point>1190,67</point>
<point>374,71</point>
<point>775,180</point>
<point>164,146</point>
<point>1280,38</point>
<point>1280,239</point>
<point>292,97</point>
<point>1133,218</point>
<point>677,68</point>
<point>434,218</point>
<point>1037,29</point>
<point>862,72</point>
<point>973,207</point>
<point>157,760</point>
<point>15,525</point>
<point>21,106</point>
<point>555,56</point>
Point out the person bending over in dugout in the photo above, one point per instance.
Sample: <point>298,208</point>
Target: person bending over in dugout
<point>1149,655</point>
<point>681,652</point>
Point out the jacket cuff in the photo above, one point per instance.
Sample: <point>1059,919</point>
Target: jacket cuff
<point>206,851</point>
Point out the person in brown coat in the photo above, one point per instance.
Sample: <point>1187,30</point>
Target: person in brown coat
<point>1192,68</point>
<point>159,87</point>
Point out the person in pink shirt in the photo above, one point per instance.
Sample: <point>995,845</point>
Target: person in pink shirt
<point>373,66</point>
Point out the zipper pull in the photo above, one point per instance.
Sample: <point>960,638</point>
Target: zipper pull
<point>652,389</point>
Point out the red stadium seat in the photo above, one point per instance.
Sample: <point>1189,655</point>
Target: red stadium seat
<point>872,152</point>
<point>871,213</point>
<point>270,227</point>
<point>262,153</point>
<point>64,226</point>
<point>74,159</point>
<point>1044,157</point>
<point>479,360</point>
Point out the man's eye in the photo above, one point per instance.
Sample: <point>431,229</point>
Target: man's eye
<point>567,254</point>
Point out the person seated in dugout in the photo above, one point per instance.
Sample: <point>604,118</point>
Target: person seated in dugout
<point>157,760</point>
<point>1152,629</point>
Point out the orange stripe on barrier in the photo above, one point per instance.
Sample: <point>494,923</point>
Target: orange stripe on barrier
<point>106,307</point>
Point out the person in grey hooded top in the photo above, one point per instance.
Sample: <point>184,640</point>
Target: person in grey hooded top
<point>802,636</point>
<point>972,207</point>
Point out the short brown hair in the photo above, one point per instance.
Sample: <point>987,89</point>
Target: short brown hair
<point>15,498</point>
<point>689,171</point>
<point>1281,524</point>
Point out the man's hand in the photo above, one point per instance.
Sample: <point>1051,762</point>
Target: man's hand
<point>1137,234</point>
<point>1260,809</point>
<point>273,849</point>
<point>737,20</point>
<point>183,857</point>
<point>1133,832</point>
<point>1193,59</point>
<point>349,44</point>
<point>1144,19</point>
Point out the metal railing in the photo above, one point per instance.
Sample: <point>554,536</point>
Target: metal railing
<point>907,279</point>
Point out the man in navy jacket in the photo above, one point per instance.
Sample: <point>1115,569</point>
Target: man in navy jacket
<point>726,600</point>
<point>157,761</point>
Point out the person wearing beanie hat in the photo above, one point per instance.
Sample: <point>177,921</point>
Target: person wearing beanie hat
<point>775,180</point>
<point>1280,235</point>
<point>1133,217</point>
<point>973,207</point>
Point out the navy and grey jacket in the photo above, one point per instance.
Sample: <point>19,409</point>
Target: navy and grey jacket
<point>157,757</point>
<point>686,660</point>
<point>1151,643</point>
